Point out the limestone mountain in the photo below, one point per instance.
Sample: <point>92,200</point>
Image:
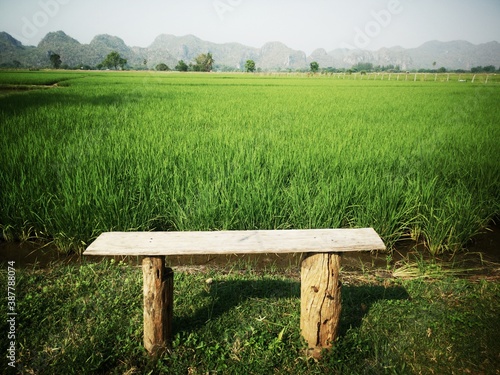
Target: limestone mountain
<point>276,54</point>
<point>7,42</point>
<point>169,49</point>
<point>455,55</point>
<point>12,50</point>
<point>346,58</point>
<point>70,50</point>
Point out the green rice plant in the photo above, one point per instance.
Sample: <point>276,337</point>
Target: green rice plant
<point>147,151</point>
<point>457,220</point>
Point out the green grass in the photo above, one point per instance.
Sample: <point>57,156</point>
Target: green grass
<point>86,319</point>
<point>149,151</point>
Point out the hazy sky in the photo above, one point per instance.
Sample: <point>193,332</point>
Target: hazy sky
<point>300,24</point>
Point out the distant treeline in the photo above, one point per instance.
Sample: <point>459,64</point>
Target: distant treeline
<point>369,67</point>
<point>362,67</point>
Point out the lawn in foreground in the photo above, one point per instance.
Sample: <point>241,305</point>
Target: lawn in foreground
<point>78,319</point>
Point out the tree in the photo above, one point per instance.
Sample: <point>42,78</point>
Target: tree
<point>203,63</point>
<point>250,66</point>
<point>55,59</point>
<point>162,67</point>
<point>181,66</point>
<point>314,67</point>
<point>363,66</point>
<point>113,60</point>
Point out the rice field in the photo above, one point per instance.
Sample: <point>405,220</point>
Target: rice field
<point>101,151</point>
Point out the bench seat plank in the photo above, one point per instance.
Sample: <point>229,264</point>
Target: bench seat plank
<point>235,242</point>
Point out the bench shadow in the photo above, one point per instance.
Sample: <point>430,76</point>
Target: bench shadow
<point>226,295</point>
<point>357,301</point>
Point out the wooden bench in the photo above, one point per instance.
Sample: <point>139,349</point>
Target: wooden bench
<point>320,268</point>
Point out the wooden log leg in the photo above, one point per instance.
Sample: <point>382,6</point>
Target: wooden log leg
<point>320,301</point>
<point>158,304</point>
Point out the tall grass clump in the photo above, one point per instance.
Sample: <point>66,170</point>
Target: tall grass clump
<point>144,151</point>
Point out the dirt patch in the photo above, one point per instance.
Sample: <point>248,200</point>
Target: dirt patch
<point>14,89</point>
<point>481,262</point>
